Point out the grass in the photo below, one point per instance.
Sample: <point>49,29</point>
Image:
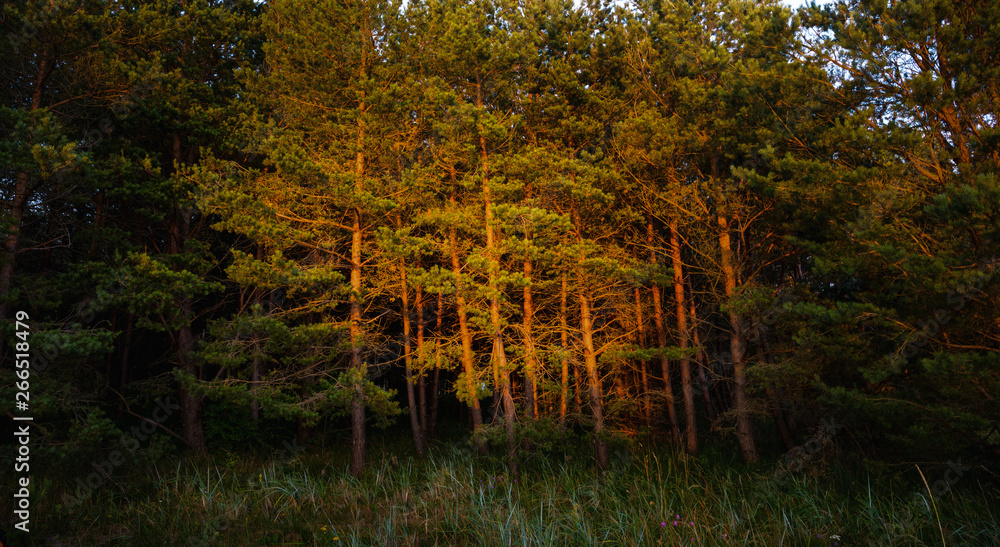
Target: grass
<point>452,497</point>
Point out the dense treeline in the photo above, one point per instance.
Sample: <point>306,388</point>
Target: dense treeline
<point>695,219</point>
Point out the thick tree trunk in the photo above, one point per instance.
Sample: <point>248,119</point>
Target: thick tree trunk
<point>691,424</point>
<point>661,335</point>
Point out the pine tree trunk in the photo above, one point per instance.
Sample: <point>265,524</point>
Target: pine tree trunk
<point>22,193</point>
<point>467,356</point>
<point>776,413</point>
<point>437,366</point>
<point>564,357</point>
<point>530,355</point>
<point>255,378</point>
<point>661,335</point>
<point>126,349</point>
<point>499,355</point>
<point>421,362</point>
<point>257,361</point>
<point>691,424</point>
<point>593,382</point>
<point>702,360</point>
<point>191,419</point>
<point>358,437</point>
<point>418,436</point>
<point>647,404</point>
<point>744,424</point>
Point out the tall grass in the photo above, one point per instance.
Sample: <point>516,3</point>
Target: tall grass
<point>452,497</point>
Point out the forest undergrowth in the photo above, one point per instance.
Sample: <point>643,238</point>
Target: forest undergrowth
<point>455,497</point>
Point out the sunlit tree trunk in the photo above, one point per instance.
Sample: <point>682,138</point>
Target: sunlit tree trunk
<point>358,440</point>
<point>499,355</point>
<point>744,424</point>
<point>418,436</point>
<point>466,335</point>
<point>647,404</point>
<point>691,424</point>
<point>593,380</point>
<point>661,335</point>
<point>438,360</point>
<point>530,354</point>
<point>564,347</point>
<point>418,304</point>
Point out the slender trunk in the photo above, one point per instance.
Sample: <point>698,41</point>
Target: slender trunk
<point>499,355</point>
<point>691,424</point>
<point>593,381</point>
<point>564,352</point>
<point>744,424</point>
<point>126,349</point>
<point>466,335</point>
<point>577,390</point>
<point>530,355</point>
<point>98,223</point>
<point>191,419</point>
<point>11,242</point>
<point>421,361</point>
<point>647,404</point>
<point>22,193</point>
<point>437,366</point>
<point>257,362</point>
<point>776,412</point>
<point>255,378</point>
<point>619,375</point>
<point>418,436</point>
<point>358,434</point>
<point>590,361</point>
<point>661,335</point>
<point>702,360</point>
<point>191,404</point>
<point>302,431</point>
